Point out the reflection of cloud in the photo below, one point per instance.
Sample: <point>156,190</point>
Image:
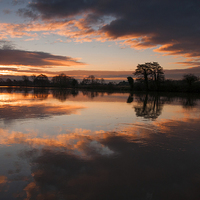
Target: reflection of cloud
<point>10,112</point>
<point>80,143</point>
<point>165,163</point>
<point>161,159</point>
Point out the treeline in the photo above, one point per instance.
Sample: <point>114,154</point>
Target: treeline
<point>150,77</point>
<point>41,81</point>
<point>63,81</point>
<point>146,77</point>
<point>186,84</point>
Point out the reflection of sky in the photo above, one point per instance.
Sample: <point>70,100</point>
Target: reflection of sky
<point>107,113</point>
<point>48,142</point>
<point>163,159</point>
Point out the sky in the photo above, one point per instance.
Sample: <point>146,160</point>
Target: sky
<point>104,38</point>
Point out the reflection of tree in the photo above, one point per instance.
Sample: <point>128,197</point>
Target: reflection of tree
<point>189,102</point>
<point>62,95</point>
<point>90,94</point>
<point>41,93</point>
<point>149,107</point>
<point>130,98</point>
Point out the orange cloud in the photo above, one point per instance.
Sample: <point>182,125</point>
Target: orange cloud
<point>13,57</point>
<point>3,179</point>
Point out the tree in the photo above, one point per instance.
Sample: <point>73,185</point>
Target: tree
<point>42,80</point>
<point>190,79</point>
<point>25,80</point>
<point>33,77</point>
<point>90,80</point>
<point>150,71</point>
<point>131,82</point>
<point>157,74</point>
<point>143,72</point>
<point>61,80</point>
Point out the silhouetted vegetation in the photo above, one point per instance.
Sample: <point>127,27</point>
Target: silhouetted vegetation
<point>150,72</point>
<point>131,82</point>
<point>149,77</point>
<point>63,81</point>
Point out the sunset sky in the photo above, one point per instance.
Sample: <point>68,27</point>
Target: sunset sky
<point>104,38</point>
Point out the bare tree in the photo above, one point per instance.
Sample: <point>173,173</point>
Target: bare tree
<point>143,72</point>
<point>190,79</point>
<point>150,71</point>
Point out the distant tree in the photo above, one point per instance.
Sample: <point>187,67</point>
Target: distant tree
<point>74,82</point>
<point>102,81</point>
<point>25,80</point>
<point>1,81</point>
<point>61,80</point>
<point>190,79</point>
<point>33,77</point>
<point>42,80</point>
<point>90,80</point>
<point>9,82</point>
<point>131,82</point>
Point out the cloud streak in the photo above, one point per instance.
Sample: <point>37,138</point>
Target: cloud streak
<point>15,57</point>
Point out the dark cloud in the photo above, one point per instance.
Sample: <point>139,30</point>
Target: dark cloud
<point>172,24</point>
<point>9,56</point>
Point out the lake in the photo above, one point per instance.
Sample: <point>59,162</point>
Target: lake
<point>83,145</point>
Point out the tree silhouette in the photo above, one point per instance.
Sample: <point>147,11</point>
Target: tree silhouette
<point>90,80</point>
<point>190,79</point>
<point>33,77</point>
<point>157,74</point>
<point>150,71</point>
<point>143,72</point>
<point>62,80</point>
<point>25,80</point>
<point>131,82</point>
<point>42,80</point>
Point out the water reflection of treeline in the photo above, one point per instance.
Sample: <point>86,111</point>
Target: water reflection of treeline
<point>150,105</point>
<point>61,94</point>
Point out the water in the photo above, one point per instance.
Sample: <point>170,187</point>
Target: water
<point>91,145</point>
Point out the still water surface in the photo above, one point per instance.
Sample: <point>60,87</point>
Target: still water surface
<point>98,146</point>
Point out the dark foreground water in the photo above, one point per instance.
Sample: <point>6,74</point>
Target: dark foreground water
<point>57,145</point>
